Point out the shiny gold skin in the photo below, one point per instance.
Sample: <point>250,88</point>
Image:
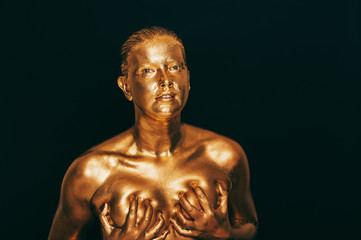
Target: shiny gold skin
<point>160,179</point>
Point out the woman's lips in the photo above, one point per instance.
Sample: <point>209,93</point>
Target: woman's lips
<point>165,97</point>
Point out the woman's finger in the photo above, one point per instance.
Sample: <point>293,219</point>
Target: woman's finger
<point>182,219</point>
<point>203,200</point>
<point>103,217</point>
<point>147,216</point>
<point>189,208</point>
<point>151,233</point>
<point>162,236</point>
<point>222,200</point>
<point>183,231</point>
<point>132,214</point>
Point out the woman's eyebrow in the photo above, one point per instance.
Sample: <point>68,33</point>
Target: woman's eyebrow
<point>172,60</point>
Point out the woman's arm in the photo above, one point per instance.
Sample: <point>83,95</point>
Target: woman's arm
<point>242,212</point>
<point>74,213</point>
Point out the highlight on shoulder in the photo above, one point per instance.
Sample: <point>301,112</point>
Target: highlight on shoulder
<point>223,150</point>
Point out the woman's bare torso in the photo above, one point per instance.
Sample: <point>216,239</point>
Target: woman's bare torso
<point>161,180</point>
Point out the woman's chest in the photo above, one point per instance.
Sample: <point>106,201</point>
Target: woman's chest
<point>162,184</point>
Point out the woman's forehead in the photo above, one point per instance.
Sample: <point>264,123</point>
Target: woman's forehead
<point>157,50</point>
<point>156,41</point>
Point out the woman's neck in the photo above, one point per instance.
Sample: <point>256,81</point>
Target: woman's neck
<point>156,137</point>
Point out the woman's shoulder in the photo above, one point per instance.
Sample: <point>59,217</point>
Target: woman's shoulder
<point>223,150</point>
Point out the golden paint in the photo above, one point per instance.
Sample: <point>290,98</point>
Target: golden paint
<point>157,161</point>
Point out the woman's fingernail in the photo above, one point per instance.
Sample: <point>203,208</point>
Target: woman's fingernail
<point>131,197</point>
<point>193,185</point>
<point>104,207</point>
<point>181,194</point>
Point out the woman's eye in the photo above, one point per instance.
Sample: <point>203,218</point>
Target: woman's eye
<point>147,70</point>
<point>175,67</point>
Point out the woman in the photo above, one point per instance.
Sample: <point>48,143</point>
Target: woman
<point>160,179</point>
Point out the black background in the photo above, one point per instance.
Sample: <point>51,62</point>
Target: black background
<point>279,77</point>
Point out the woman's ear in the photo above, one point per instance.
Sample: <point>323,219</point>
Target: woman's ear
<point>125,87</point>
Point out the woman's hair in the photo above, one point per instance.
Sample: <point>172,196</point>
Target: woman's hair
<point>139,37</point>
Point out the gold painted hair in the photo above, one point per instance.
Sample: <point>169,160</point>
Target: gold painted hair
<point>139,37</point>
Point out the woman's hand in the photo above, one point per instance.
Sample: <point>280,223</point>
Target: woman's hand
<point>207,222</point>
<point>131,230</point>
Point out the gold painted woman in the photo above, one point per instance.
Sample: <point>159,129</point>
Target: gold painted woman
<point>160,179</point>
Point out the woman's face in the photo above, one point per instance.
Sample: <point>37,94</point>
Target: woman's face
<point>158,78</point>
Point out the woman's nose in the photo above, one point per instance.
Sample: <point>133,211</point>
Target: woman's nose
<point>164,80</point>
<point>165,83</point>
